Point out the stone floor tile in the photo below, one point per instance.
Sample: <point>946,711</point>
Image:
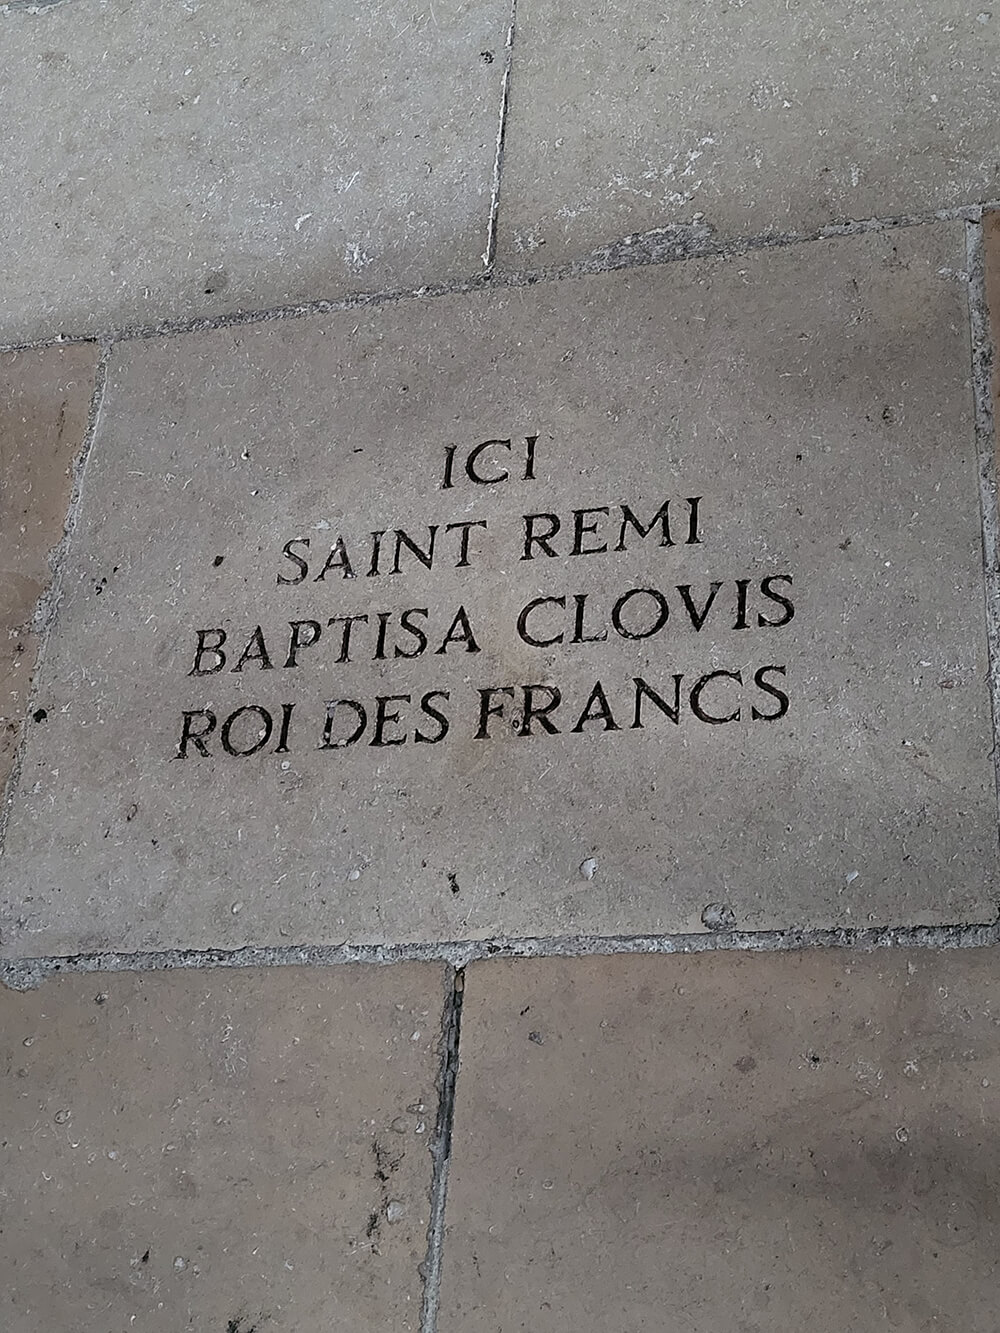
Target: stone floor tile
<point>177,160</point>
<point>241,1150</point>
<point>44,405</point>
<point>820,751</point>
<point>719,1142</point>
<point>745,119</point>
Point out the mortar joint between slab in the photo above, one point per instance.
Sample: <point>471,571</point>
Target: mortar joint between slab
<point>451,1033</point>
<point>28,973</point>
<point>661,245</point>
<point>489,255</point>
<point>44,613</point>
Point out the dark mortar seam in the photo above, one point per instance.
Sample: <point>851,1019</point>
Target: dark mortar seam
<point>451,1034</point>
<point>27,973</point>
<point>662,245</point>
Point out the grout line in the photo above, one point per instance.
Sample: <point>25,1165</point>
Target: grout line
<point>45,609</point>
<point>982,386</point>
<point>27,973</point>
<point>661,245</point>
<point>489,256</point>
<point>451,1033</point>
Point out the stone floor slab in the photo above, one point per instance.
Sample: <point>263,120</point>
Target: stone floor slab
<point>172,161</point>
<point>767,707</point>
<point>217,1150</point>
<point>743,119</point>
<point>44,407</point>
<point>723,1142</point>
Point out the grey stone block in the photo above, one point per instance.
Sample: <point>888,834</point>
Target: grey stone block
<point>182,160</point>
<point>742,118</point>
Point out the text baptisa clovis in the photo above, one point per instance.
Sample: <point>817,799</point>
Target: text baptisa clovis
<point>568,619</point>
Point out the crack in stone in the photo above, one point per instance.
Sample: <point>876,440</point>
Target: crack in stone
<point>489,255</point>
<point>451,1033</point>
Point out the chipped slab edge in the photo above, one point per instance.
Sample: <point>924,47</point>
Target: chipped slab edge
<point>44,615</point>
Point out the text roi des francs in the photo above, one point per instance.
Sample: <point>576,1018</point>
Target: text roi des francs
<point>555,621</point>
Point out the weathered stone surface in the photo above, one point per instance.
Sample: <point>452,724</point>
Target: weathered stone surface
<point>218,1150</point>
<point>44,403</point>
<point>723,1142</point>
<point>169,161</point>
<point>830,445</point>
<point>746,119</point>
<point>991,255</point>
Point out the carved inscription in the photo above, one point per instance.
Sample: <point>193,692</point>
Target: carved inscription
<point>393,629</point>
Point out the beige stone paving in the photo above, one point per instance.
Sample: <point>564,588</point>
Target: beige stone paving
<point>227,1151</point>
<point>173,161</point>
<point>44,404</point>
<point>711,1144</point>
<point>717,1142</point>
<point>181,159</point>
<point>741,118</point>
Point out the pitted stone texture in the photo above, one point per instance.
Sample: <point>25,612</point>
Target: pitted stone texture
<point>744,119</point>
<point>167,161</point>
<point>724,1142</point>
<point>830,442</point>
<point>44,405</point>
<point>991,257</point>
<point>220,1150</point>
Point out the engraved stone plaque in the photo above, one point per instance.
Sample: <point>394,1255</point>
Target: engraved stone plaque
<point>573,607</point>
